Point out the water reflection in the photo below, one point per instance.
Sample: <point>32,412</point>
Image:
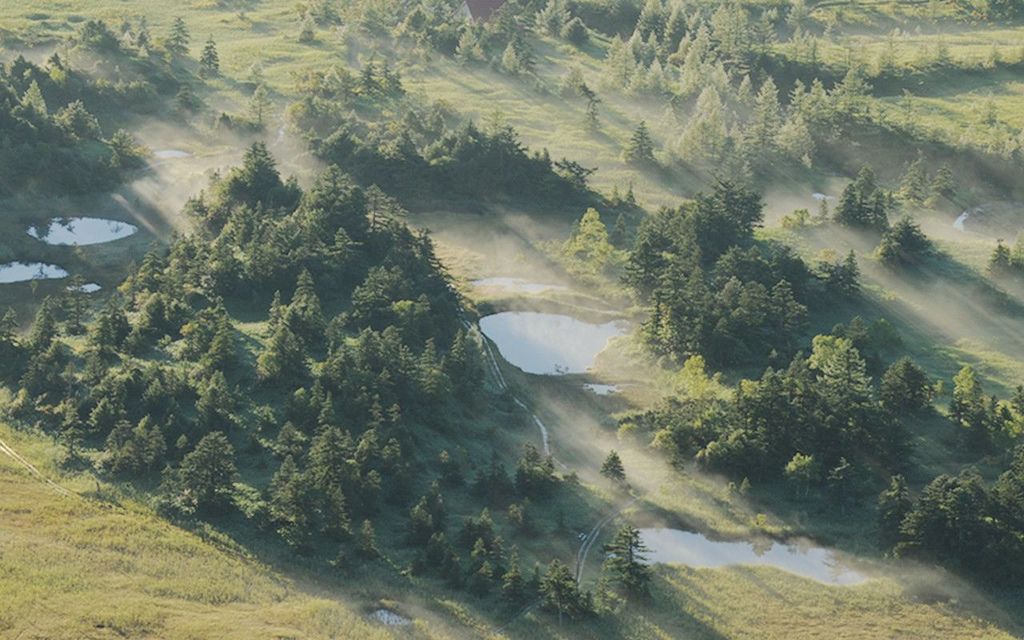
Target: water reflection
<point>548,343</point>
<point>673,546</point>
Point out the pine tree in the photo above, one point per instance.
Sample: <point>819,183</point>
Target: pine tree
<point>289,504</point>
<point>914,183</point>
<point>259,104</point>
<point>178,39</point>
<point>612,467</point>
<point>640,149</point>
<point>207,473</point>
<point>942,188</point>
<point>34,101</point>
<point>209,61</point>
<point>366,541</point>
<point>1000,262</point>
<point>560,592</point>
<point>44,327</point>
<point>893,506</point>
<point>626,563</point>
<point>553,17</point>
<point>764,125</point>
<point>283,358</point>
<point>513,585</point>
<point>305,315</point>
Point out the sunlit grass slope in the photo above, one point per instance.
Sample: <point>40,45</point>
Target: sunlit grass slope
<point>75,568</point>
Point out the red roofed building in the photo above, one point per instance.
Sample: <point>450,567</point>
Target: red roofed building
<point>481,10</point>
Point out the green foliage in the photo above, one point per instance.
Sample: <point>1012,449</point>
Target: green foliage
<point>904,244</point>
<point>588,253</point>
<point>905,388</point>
<point>626,563</point>
<point>209,60</point>
<point>612,467</point>
<point>205,479</point>
<point>640,148</point>
<point>894,503</point>
<point>955,522</point>
<point>559,591</point>
<point>863,204</point>
<point>177,40</point>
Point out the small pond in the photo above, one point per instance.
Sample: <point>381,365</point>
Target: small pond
<point>516,284</point>
<point>22,271</point>
<point>673,546</point>
<point>390,618</point>
<point>88,287</point>
<point>548,343</point>
<point>82,231</point>
<point>171,154</point>
<point>958,224</point>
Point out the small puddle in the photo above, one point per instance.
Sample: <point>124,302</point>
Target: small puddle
<point>22,271</point>
<point>516,284</point>
<point>548,343</point>
<point>82,231</point>
<point>958,224</point>
<point>390,618</point>
<point>171,154</point>
<point>673,546</point>
<point>88,287</point>
<point>602,389</point>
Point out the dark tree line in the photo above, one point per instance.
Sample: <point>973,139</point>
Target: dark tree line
<point>364,123</point>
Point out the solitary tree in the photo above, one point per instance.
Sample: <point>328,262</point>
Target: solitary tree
<point>259,103</point>
<point>209,61</point>
<point>178,39</point>
<point>612,467</point>
<point>626,563</point>
<point>640,149</point>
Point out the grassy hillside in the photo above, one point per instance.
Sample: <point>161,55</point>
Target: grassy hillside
<point>104,566</point>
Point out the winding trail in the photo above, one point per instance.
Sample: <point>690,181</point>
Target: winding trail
<point>17,457</point>
<point>591,538</point>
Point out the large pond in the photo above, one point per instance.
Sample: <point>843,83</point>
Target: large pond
<point>82,231</point>
<point>672,546</point>
<point>21,271</point>
<point>548,343</point>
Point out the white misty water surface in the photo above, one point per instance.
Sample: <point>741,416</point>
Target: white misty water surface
<point>82,231</point>
<point>21,271</point>
<point>548,343</point>
<point>673,546</point>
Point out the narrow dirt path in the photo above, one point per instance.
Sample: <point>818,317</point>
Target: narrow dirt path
<point>17,457</point>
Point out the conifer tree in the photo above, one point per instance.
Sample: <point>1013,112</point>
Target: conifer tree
<point>366,541</point>
<point>640,149</point>
<point>612,467</point>
<point>209,60</point>
<point>894,504</point>
<point>626,563</point>
<point>178,39</point>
